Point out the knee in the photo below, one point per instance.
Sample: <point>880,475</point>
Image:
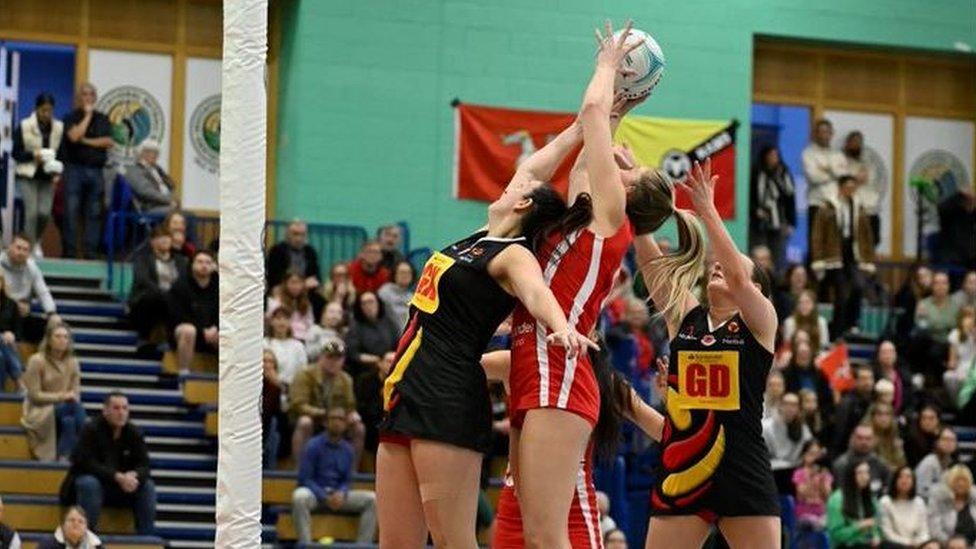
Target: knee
<point>148,490</point>
<point>304,426</point>
<point>186,333</point>
<point>303,498</point>
<point>88,485</point>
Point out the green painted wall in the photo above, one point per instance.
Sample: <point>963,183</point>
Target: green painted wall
<point>365,132</point>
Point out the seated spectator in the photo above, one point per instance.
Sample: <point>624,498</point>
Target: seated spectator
<point>922,434</point>
<point>155,269</point>
<point>853,406</point>
<point>917,286</point>
<point>273,392</point>
<point>367,271</point>
<point>195,306</point>
<point>795,282</point>
<point>887,367</point>
<point>935,317</point>
<point>785,434</point>
<point>72,533</point>
<point>862,450</point>
<point>805,317</point>
<point>396,295</point>
<point>813,484</point>
<point>53,415</point>
<point>295,255</point>
<point>369,398</point>
<point>852,510</point>
<point>9,538</point>
<point>607,524</point>
<point>962,352</point>
<point>966,400</point>
<point>23,281</point>
<point>884,393</point>
<point>324,478</point>
<point>775,389</point>
<point>110,466</point>
<point>802,373</point>
<point>10,332</point>
<point>965,296</point>
<point>289,353</point>
<point>955,542</point>
<point>292,294</point>
<point>152,188</point>
<point>339,288</point>
<point>904,523</point>
<point>333,327</point>
<point>929,471</point>
<point>813,416</point>
<point>175,223</point>
<point>371,334</point>
<point>890,447</point>
<point>317,389</point>
<point>615,539</point>
<point>952,506</point>
<point>389,237</point>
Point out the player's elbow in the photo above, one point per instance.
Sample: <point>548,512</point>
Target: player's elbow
<point>594,111</point>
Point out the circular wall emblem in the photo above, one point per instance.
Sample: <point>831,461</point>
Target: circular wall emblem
<point>676,164</point>
<point>135,116</point>
<point>205,133</point>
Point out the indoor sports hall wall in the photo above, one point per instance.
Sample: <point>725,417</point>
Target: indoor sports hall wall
<point>365,128</point>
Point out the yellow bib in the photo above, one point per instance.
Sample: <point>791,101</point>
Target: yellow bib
<point>708,380</point>
<point>426,297</point>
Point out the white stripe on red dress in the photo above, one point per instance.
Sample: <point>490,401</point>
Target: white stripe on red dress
<point>583,496</point>
<point>579,302</point>
<point>541,350</point>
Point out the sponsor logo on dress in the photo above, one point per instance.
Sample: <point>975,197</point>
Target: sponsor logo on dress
<point>135,116</point>
<point>708,340</point>
<point>733,327</point>
<point>523,328</point>
<point>205,133</point>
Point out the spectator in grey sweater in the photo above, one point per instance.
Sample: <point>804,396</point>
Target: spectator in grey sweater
<point>930,470</point>
<point>24,282</point>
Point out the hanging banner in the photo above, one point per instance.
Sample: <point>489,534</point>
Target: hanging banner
<point>490,143</point>
<point>135,92</point>
<point>201,135</point>
<point>938,160</point>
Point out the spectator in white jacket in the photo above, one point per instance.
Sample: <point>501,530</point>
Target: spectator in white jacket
<point>822,166</point>
<point>24,282</point>
<point>904,518</point>
<point>929,471</point>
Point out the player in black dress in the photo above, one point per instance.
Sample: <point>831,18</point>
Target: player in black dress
<point>438,413</point>
<point>715,466</point>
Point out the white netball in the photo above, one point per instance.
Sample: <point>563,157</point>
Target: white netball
<point>647,62</point>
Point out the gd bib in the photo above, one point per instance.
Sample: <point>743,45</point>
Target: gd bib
<point>426,297</point>
<point>708,380</point>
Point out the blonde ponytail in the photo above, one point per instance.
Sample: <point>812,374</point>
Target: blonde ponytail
<point>678,273</point>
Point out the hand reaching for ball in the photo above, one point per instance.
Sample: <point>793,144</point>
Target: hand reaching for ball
<point>613,50</point>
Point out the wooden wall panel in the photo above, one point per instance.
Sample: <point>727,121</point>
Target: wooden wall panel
<point>785,72</point>
<point>867,79</point>
<point>936,86</point>
<point>139,20</point>
<point>204,23</point>
<point>49,17</point>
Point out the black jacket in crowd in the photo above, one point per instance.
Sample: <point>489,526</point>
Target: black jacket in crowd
<point>279,261</point>
<point>145,279</point>
<point>98,454</point>
<point>10,319</point>
<point>192,304</point>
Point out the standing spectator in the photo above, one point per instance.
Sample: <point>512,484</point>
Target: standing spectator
<point>324,478</point>
<point>890,447</point>
<point>852,510</point>
<point>36,149</point>
<point>10,331</point>
<point>813,415</point>
<point>861,448</point>
<point>72,533</point>
<point>822,167</point>
<point>773,204</point>
<point>929,471</point>
<point>292,294</point>
<point>917,286</point>
<point>842,247</point>
<point>152,187</point>
<point>24,281</point>
<point>785,434</point>
<point>796,280</point>
<point>962,352</point>
<point>869,188</point>
<point>294,255</point>
<point>389,237</point>
<point>53,414</point>
<point>935,317</point>
<point>904,523</point>
<point>965,296</point>
<point>805,317</point>
<point>317,389</point>
<point>801,373</point>
<point>175,222</point>
<point>952,506</point>
<point>195,303</point>
<point>396,295</point>
<point>367,271</point>
<point>110,466</point>
<point>86,152</point>
<point>854,406</point>
<point>289,353</point>
<point>371,335</point>
<point>273,392</point>
<point>813,484</point>
<point>775,389</point>
<point>155,269</point>
<point>922,434</point>
<point>957,225</point>
<point>9,538</point>
<point>889,369</point>
<point>369,398</point>
<point>339,288</point>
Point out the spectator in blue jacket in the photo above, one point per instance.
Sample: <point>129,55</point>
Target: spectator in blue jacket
<point>324,477</point>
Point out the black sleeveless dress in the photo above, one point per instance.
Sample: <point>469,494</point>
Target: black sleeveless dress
<point>714,462</point>
<point>437,389</point>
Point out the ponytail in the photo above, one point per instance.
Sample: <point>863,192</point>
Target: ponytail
<point>678,272</point>
<point>615,404</point>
